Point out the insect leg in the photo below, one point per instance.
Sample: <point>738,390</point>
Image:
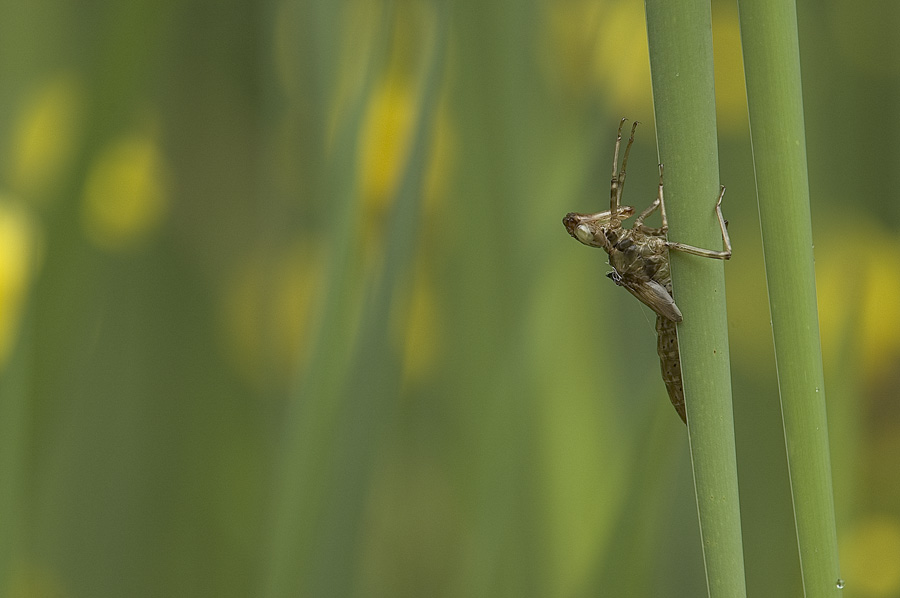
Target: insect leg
<point>646,213</point>
<point>614,194</point>
<point>625,160</point>
<point>657,203</point>
<point>662,205</point>
<point>726,241</point>
<point>617,184</point>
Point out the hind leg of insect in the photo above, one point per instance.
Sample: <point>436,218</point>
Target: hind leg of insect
<point>617,182</point>
<point>684,248</point>
<point>726,241</point>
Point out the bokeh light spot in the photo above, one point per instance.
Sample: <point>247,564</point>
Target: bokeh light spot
<point>870,555</point>
<point>385,141</point>
<point>18,250</point>
<point>126,194</point>
<point>266,311</point>
<point>45,135</point>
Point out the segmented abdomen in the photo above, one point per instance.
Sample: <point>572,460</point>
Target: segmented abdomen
<point>670,362</point>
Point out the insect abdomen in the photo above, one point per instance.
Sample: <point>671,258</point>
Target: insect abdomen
<point>670,363</point>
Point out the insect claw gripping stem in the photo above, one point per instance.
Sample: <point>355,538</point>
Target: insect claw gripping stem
<point>725,254</point>
<point>639,257</point>
<point>664,228</point>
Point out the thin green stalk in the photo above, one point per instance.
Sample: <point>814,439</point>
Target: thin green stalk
<point>13,435</point>
<point>321,503</point>
<point>681,64</point>
<point>300,487</point>
<point>772,69</point>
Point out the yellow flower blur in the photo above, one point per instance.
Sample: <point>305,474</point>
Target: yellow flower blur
<point>385,141</point>
<point>601,46</point>
<point>267,307</point>
<point>126,193</point>
<point>731,92</point>
<point>18,249</point>
<point>870,554</point>
<point>44,136</point>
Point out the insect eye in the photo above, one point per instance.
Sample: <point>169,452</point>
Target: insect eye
<point>584,234</point>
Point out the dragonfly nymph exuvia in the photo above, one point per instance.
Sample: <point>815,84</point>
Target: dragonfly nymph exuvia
<point>639,257</point>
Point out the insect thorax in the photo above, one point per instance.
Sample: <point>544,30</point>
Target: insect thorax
<point>638,256</point>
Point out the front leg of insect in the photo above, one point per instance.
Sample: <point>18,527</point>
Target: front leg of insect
<point>617,182</point>
<point>639,257</point>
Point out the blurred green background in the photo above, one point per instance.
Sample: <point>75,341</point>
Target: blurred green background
<point>287,307</point>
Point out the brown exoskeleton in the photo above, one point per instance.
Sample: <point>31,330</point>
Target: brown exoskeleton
<point>639,257</point>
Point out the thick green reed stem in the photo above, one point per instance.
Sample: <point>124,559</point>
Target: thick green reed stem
<point>681,63</point>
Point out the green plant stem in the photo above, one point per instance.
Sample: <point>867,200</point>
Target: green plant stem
<point>681,63</point>
<point>301,492</point>
<point>13,434</point>
<point>772,69</point>
<point>334,431</point>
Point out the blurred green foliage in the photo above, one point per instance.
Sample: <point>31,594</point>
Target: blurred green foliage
<point>287,309</point>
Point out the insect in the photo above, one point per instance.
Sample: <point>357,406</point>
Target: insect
<point>639,257</point>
